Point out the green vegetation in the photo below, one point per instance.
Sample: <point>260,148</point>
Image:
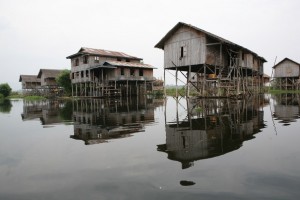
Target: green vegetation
<point>172,91</point>
<point>157,93</point>
<point>64,81</point>
<point>15,95</point>
<point>5,105</point>
<point>34,98</point>
<point>198,109</point>
<point>276,91</point>
<point>5,89</point>
<point>66,113</point>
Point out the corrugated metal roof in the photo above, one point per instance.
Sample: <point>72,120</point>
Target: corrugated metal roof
<point>161,43</point>
<point>29,78</point>
<point>129,64</point>
<point>102,52</point>
<point>49,72</point>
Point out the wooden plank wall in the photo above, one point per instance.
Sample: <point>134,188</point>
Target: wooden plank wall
<point>193,43</point>
<point>286,69</point>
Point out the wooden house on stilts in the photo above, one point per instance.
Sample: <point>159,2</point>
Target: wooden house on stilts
<point>212,66</point>
<point>287,75</point>
<point>103,73</point>
<point>49,86</point>
<point>31,84</point>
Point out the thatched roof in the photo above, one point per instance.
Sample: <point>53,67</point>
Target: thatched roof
<point>161,43</point>
<point>29,78</point>
<point>102,52</point>
<point>49,73</point>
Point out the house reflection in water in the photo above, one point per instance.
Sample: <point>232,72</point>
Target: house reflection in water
<point>49,112</point>
<point>286,108</point>
<point>212,127</point>
<point>99,120</point>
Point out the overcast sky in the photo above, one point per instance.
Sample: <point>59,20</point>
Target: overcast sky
<point>38,34</point>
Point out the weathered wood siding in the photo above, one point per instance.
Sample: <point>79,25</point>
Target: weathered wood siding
<point>47,81</point>
<point>286,69</point>
<point>286,112</point>
<point>213,55</point>
<point>116,74</point>
<point>247,60</point>
<point>193,44</point>
<point>30,85</point>
<point>109,74</point>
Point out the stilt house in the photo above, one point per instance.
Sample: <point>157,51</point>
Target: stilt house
<point>212,65</point>
<point>286,75</point>
<point>30,83</point>
<point>48,81</point>
<point>99,73</point>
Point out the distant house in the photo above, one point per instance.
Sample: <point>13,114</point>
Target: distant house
<point>266,79</point>
<point>98,73</point>
<point>49,86</point>
<point>48,77</point>
<point>212,65</point>
<point>30,83</point>
<point>286,74</point>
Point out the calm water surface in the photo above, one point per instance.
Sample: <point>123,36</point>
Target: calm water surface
<point>142,148</point>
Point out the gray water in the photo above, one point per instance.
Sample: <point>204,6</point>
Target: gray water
<point>142,148</point>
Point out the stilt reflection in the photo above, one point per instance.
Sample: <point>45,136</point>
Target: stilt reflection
<point>286,108</point>
<point>212,127</point>
<point>100,120</point>
<point>49,112</point>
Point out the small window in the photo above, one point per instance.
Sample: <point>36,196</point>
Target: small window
<point>97,59</point>
<point>183,52</point>
<point>243,56</point>
<point>131,72</point>
<point>141,72</point>
<point>72,75</point>
<point>87,73</point>
<point>76,62</point>
<point>81,74</point>
<point>127,60</point>
<point>122,71</point>
<point>119,59</point>
<point>85,59</point>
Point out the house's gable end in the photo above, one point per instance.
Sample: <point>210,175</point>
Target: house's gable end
<point>287,68</point>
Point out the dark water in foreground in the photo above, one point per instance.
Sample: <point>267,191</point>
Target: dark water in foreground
<point>150,149</point>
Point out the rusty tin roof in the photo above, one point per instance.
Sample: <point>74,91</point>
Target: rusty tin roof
<point>102,52</point>
<point>128,64</point>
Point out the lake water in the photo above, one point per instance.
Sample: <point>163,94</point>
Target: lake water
<point>141,148</point>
